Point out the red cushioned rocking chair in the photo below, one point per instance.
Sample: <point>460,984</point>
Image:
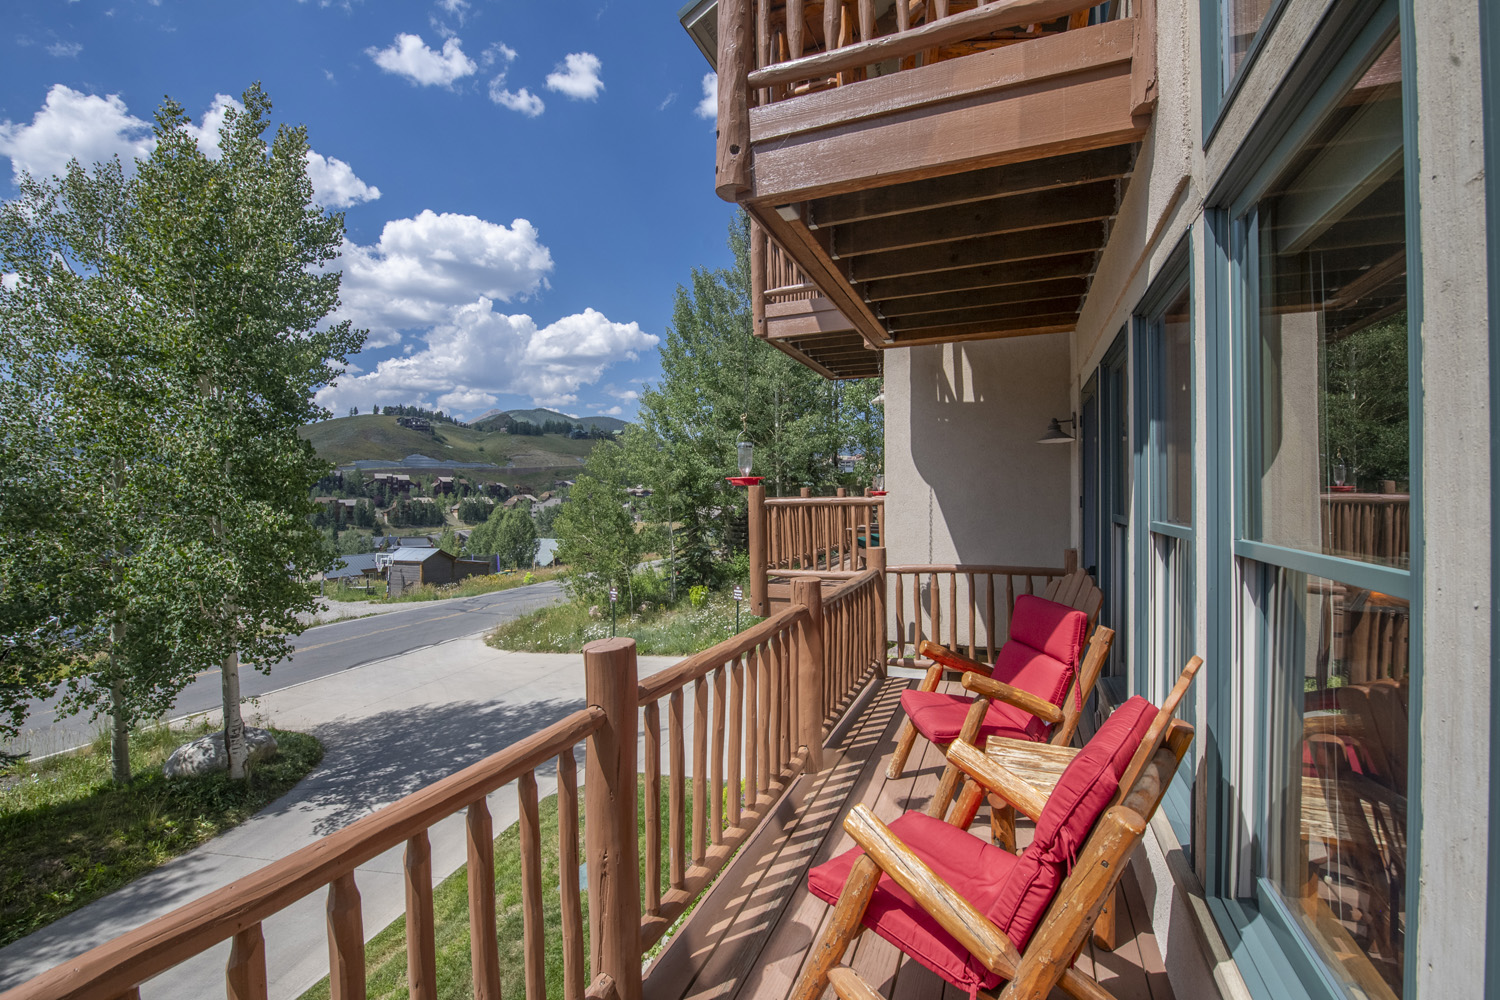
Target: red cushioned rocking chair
<point>1034,691</point>
<point>977,915</point>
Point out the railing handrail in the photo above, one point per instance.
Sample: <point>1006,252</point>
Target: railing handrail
<point>860,581</point>
<point>115,967</point>
<point>954,28</point>
<point>823,501</point>
<point>684,672</point>
<point>977,568</point>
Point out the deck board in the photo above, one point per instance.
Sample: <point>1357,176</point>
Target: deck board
<point>749,938</point>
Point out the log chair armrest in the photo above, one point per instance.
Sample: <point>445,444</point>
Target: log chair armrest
<point>998,778</point>
<point>950,660</point>
<point>955,914</point>
<point>988,687</point>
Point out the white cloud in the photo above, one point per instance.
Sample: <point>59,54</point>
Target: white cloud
<point>613,411</point>
<point>577,76</point>
<point>72,125</point>
<point>328,75</point>
<point>479,354</point>
<point>334,183</point>
<point>458,8</point>
<point>667,101</point>
<point>64,50</point>
<point>410,57</point>
<point>629,395</point>
<point>424,267</point>
<point>522,100</point>
<point>497,51</point>
<point>709,106</point>
<point>9,280</point>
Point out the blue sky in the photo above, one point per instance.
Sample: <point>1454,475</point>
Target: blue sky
<point>436,125</point>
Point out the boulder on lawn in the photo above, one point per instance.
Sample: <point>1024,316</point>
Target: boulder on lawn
<point>206,754</point>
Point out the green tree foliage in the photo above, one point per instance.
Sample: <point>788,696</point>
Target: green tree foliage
<point>179,322</point>
<point>1365,404</point>
<point>448,541</point>
<point>508,534</point>
<point>475,510</point>
<point>721,385</point>
<point>596,534</point>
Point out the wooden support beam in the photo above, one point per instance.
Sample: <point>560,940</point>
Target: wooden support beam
<point>1077,265</point>
<point>987,314</point>
<point>812,257</point>
<point>945,302</point>
<point>1051,174</point>
<point>1035,326</point>
<point>736,57</point>
<point>1080,237</point>
<point>990,218</point>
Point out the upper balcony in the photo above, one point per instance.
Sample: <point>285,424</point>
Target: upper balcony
<point>939,170</point>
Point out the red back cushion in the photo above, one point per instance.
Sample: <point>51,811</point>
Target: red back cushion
<point>1022,666</point>
<point>1073,808</point>
<point>1054,629</point>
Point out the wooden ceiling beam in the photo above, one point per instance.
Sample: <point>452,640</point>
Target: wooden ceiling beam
<point>1077,265</point>
<point>1038,243</point>
<point>991,314</point>
<point>1000,295</point>
<point>988,218</point>
<point>1034,176</point>
<point>1064,323</point>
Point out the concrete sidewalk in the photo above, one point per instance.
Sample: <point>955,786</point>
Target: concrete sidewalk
<point>388,728</point>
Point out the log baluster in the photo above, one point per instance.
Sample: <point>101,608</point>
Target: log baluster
<point>736,736</point>
<point>346,940</point>
<point>716,797</point>
<point>533,926</point>
<point>483,945</point>
<point>575,972</point>
<point>652,727</point>
<point>676,792</point>
<point>245,974</point>
<point>700,769</point>
<point>421,928</point>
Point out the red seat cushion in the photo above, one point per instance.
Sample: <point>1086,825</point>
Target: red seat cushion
<point>1089,782</point>
<point>1055,629</point>
<point>977,870</point>
<point>939,717</point>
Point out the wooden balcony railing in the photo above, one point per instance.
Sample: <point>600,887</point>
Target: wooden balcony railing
<point>963,606</point>
<point>770,52</point>
<point>760,703</point>
<point>1368,526</point>
<point>808,533</point>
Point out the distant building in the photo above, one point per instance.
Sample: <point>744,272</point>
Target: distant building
<point>415,423</point>
<point>413,567</point>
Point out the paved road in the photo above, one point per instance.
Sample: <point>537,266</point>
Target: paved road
<point>320,651</point>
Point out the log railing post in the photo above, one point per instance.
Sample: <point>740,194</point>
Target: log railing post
<point>876,560</point>
<point>758,553</point>
<point>611,684</point>
<point>810,667</point>
<point>736,59</point>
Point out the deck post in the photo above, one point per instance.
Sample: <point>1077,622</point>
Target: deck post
<point>757,279</point>
<point>610,683</point>
<point>736,59</point>
<point>810,665</point>
<point>759,556</point>
<point>1070,561</point>
<point>875,559</point>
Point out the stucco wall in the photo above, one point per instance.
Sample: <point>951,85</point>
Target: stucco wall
<point>968,482</point>
<point>1456,528</point>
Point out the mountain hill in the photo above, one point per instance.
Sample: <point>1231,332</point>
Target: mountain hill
<point>378,438</point>
<point>495,418</point>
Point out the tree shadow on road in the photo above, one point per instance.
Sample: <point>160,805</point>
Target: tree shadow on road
<point>372,761</point>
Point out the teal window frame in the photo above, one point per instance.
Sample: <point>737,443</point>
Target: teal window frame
<point>1219,92</point>
<point>1175,277</point>
<point>1115,486</point>
<point>1274,959</point>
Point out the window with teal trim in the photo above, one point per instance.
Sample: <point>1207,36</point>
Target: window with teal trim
<point>1324,537</point>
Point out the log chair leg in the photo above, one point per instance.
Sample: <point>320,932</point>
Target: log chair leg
<point>908,735</point>
<point>1003,824</point>
<point>948,787</point>
<point>844,926</point>
<point>967,806</point>
<point>1106,933</point>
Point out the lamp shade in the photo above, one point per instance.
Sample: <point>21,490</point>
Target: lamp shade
<point>1055,434</point>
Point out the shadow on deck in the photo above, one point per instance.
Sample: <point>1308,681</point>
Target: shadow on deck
<point>750,936</point>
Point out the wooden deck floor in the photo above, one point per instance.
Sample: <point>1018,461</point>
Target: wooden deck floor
<point>749,937</point>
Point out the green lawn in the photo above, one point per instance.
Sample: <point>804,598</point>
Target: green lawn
<point>347,439</point>
<point>385,955</point>
<point>679,631</point>
<point>69,836</point>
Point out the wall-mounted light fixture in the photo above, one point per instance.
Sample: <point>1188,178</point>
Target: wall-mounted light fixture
<point>1056,435</point>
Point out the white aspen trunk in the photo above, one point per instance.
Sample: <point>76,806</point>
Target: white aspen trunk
<point>119,750</point>
<point>234,722</point>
